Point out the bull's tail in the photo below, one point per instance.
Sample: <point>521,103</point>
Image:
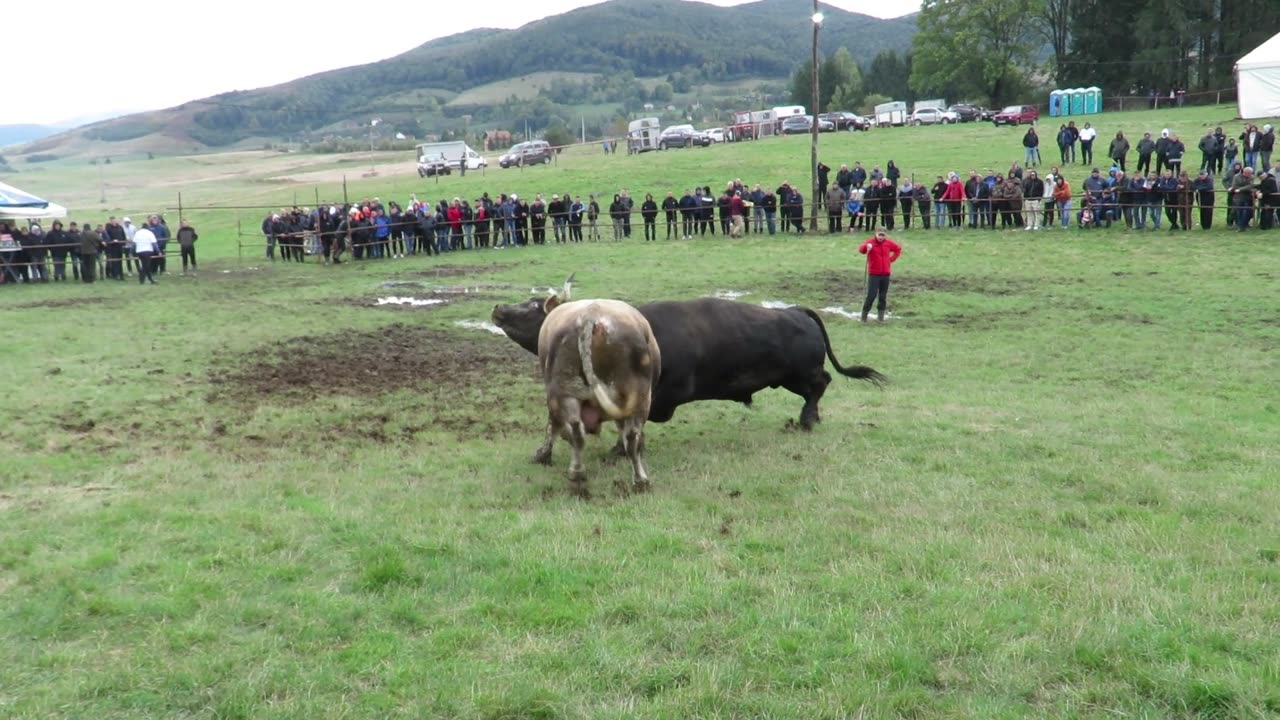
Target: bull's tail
<point>607,403</point>
<point>860,372</point>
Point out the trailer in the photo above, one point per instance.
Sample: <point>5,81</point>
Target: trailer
<point>763,123</point>
<point>891,113</point>
<point>742,128</point>
<point>783,112</point>
<point>453,152</point>
<point>642,135</point>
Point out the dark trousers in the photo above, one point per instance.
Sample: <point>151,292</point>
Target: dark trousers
<point>650,228</point>
<point>59,267</point>
<point>1144,163</point>
<point>88,266</point>
<point>1206,210</point>
<point>724,224</point>
<point>924,212</point>
<point>886,215</point>
<point>671,225</point>
<point>189,255</point>
<point>686,224</point>
<point>906,213</point>
<point>145,267</point>
<point>835,221</point>
<point>158,261</point>
<point>1120,161</point>
<point>1086,151</point>
<point>877,288</point>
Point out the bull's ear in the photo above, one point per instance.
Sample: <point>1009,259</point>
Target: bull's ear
<point>550,304</point>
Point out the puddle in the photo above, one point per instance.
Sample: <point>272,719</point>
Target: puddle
<point>729,294</point>
<point>776,304</point>
<point>444,289</point>
<point>415,302</point>
<point>837,310</point>
<point>479,325</point>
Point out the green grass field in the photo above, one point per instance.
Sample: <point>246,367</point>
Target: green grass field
<point>254,494</point>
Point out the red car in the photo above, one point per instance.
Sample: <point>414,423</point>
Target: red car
<point>1016,115</point>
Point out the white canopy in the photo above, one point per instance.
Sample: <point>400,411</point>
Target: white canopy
<point>1258,81</point>
<point>18,204</point>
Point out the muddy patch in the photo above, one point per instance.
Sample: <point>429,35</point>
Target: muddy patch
<point>363,363</point>
<point>444,271</point>
<point>835,287</point>
<point>64,302</point>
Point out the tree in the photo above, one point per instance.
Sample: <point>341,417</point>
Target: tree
<point>662,92</point>
<point>557,134</point>
<point>840,81</point>
<point>890,74</point>
<point>977,47</point>
<point>1053,23</point>
<point>837,73</point>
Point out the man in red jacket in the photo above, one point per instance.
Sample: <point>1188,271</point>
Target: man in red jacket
<point>880,252</point>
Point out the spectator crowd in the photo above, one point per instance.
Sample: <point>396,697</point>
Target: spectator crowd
<point>1237,177</point>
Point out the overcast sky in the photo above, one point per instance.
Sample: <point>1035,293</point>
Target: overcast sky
<point>130,55</point>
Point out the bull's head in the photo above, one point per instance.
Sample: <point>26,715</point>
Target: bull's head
<point>522,321</point>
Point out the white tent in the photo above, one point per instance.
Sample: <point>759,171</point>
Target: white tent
<point>1258,81</point>
<point>17,204</point>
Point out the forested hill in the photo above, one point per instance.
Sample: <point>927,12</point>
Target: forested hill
<point>700,43</point>
<point>767,38</point>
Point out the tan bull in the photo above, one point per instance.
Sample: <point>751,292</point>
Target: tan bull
<point>599,361</point>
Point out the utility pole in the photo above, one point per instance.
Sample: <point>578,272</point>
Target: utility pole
<point>372,124</point>
<point>813,149</point>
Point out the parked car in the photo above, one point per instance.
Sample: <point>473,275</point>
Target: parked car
<point>797,124</point>
<point>682,136</point>
<point>966,112</point>
<point>1016,115</point>
<point>985,114</point>
<point>527,153</point>
<point>717,135</point>
<point>846,120</point>
<point>930,116</point>
<point>437,165</point>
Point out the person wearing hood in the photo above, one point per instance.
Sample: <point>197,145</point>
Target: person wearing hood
<point>89,244</point>
<point>1268,200</point>
<point>34,244</point>
<point>906,194</point>
<point>1031,147</point>
<point>649,214</point>
<point>58,243</point>
<point>1119,150</point>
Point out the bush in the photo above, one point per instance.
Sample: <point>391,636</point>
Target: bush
<point>869,104</point>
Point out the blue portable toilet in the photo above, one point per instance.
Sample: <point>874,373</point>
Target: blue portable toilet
<point>1077,101</point>
<point>1055,102</point>
<point>1093,100</point>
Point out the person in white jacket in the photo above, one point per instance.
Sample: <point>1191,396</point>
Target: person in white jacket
<point>1050,184</point>
<point>144,244</point>
<point>1087,135</point>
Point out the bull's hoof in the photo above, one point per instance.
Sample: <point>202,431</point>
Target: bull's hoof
<point>580,491</point>
<point>641,487</point>
<point>578,477</point>
<point>622,487</point>
<point>542,456</point>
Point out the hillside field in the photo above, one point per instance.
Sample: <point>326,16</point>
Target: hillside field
<point>257,493</point>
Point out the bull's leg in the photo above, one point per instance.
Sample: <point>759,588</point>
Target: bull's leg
<point>542,455</point>
<point>633,435</point>
<point>812,392</point>
<point>577,439</point>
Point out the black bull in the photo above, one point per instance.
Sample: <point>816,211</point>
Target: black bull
<point>715,349</point>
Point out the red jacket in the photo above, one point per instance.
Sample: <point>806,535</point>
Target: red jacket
<point>953,193</point>
<point>880,255</point>
<point>455,217</point>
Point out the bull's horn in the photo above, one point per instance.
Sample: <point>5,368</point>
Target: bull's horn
<point>568,285</point>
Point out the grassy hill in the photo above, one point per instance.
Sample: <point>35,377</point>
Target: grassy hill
<point>429,88</point>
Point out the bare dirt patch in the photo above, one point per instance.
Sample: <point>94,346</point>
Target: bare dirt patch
<point>361,363</point>
<point>835,287</point>
<point>443,271</point>
<point>64,302</point>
